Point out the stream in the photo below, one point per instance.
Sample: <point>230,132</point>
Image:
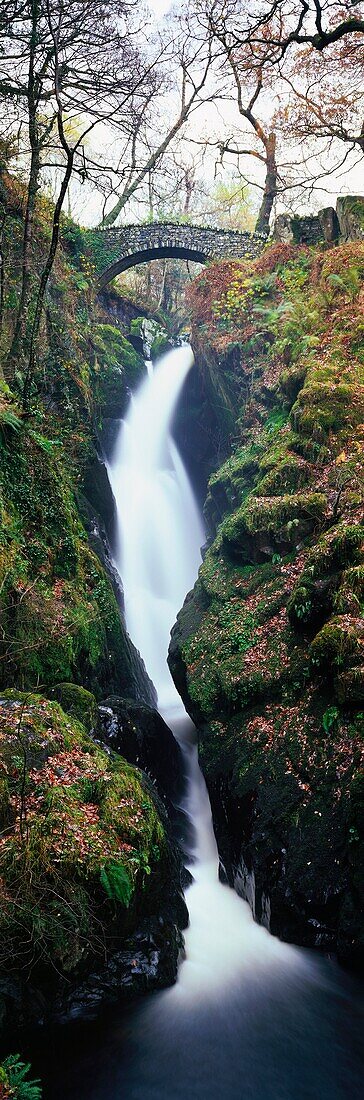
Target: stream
<point>250,1018</point>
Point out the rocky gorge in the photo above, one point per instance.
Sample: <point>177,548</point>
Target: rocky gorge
<point>266,653</point>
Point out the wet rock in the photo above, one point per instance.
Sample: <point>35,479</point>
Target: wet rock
<point>98,491</point>
<point>138,733</point>
<point>147,962</point>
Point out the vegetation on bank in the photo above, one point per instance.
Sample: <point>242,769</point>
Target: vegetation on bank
<point>83,853</point>
<point>60,619</point>
<point>14,1080</point>
<point>80,835</point>
<point>272,645</point>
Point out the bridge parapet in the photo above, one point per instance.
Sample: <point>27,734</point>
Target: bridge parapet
<point>130,245</point>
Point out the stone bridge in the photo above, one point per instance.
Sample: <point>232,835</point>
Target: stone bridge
<point>129,245</point>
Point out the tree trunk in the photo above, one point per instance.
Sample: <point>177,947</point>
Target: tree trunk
<point>270,186</point>
<point>44,281</point>
<point>33,187</point>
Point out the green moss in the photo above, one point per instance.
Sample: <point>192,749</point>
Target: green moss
<point>77,702</point>
<point>286,518</point>
<point>80,818</point>
<point>336,549</point>
<point>328,406</point>
<point>287,476</point>
<point>117,368</point>
<point>291,381</point>
<point>61,622</point>
<point>276,710</point>
<point>350,596</point>
<point>339,639</point>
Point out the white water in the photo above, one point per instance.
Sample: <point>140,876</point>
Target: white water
<point>250,1018</point>
<point>159,538</point>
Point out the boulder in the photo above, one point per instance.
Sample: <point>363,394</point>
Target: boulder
<point>138,733</point>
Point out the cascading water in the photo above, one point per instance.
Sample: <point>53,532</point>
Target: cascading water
<point>158,554</point>
<point>159,528</point>
<point>250,1018</point>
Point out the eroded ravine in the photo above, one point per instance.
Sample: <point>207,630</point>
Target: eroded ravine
<point>249,1017</point>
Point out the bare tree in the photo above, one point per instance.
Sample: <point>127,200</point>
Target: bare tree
<point>192,61</point>
<point>296,76</point>
<point>279,25</point>
<point>62,61</point>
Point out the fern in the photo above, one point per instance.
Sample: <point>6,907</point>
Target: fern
<point>46,445</point>
<point>116,882</point>
<point>16,1072</point>
<point>9,419</point>
<point>349,282</point>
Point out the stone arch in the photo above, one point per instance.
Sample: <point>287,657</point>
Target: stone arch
<point>127,246</point>
<point>143,256</point>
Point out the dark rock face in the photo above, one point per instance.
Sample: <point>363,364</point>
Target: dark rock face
<point>122,310</point>
<point>294,890</point>
<point>139,734</point>
<point>97,490</point>
<point>147,961</point>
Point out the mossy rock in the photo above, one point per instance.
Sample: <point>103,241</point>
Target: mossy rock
<point>349,686</point>
<point>84,846</point>
<point>336,549</point>
<point>291,381</point>
<point>287,476</point>
<point>310,601</point>
<point>78,702</point>
<point>117,369</point>
<point>350,596</point>
<point>323,408</point>
<point>284,519</point>
<point>339,643</point>
<point>160,346</point>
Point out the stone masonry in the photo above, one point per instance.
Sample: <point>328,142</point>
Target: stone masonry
<point>137,243</point>
<point>128,245</point>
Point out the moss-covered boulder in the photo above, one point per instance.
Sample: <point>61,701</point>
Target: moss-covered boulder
<point>84,854</point>
<point>282,521</point>
<point>117,369</point>
<point>78,703</point>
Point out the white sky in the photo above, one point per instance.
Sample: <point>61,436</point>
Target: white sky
<point>159,7</point>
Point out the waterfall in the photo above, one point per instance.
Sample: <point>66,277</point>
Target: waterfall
<point>159,529</point>
<point>250,1018</point>
<point>158,554</point>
